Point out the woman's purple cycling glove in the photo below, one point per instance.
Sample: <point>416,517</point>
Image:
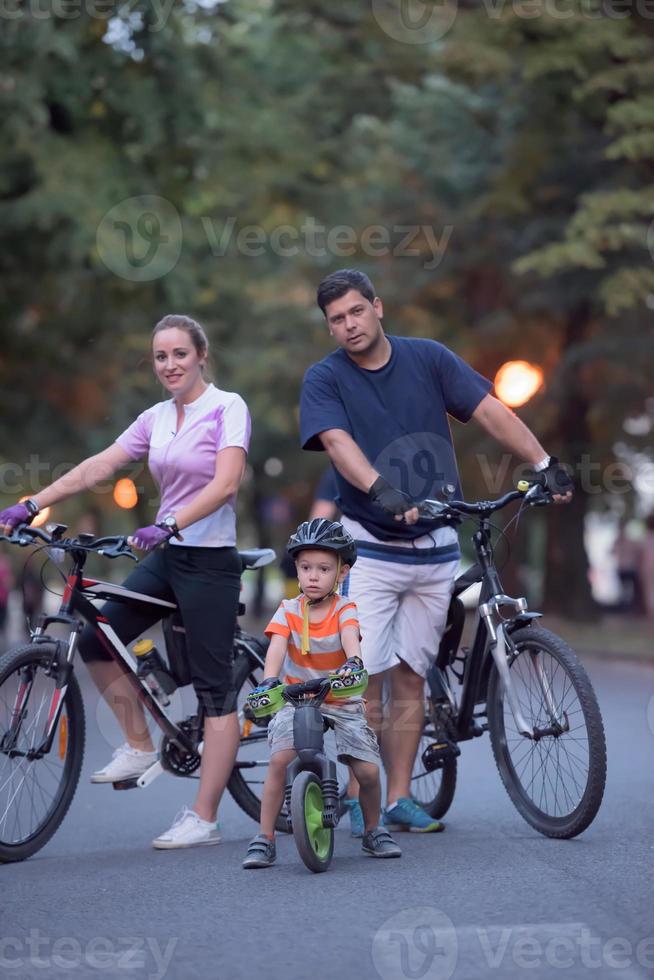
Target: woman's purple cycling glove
<point>147,538</point>
<point>14,515</point>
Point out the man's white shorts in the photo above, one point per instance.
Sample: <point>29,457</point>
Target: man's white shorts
<point>402,607</point>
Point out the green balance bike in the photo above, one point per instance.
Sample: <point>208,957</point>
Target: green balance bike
<point>311,798</point>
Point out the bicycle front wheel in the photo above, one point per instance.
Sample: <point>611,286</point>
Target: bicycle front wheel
<point>35,791</point>
<point>314,842</point>
<point>557,781</point>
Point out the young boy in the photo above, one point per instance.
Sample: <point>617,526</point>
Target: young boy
<point>311,636</point>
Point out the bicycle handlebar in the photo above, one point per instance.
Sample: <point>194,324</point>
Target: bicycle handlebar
<point>111,546</point>
<point>534,493</point>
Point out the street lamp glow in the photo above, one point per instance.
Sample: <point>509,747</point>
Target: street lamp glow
<point>125,494</point>
<point>517,381</point>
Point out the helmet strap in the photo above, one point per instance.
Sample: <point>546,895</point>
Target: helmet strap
<point>306,645</point>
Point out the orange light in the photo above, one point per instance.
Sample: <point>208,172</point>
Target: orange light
<point>125,494</point>
<point>41,517</point>
<point>517,381</point>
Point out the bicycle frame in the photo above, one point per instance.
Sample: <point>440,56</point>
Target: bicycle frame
<point>490,644</point>
<point>78,593</point>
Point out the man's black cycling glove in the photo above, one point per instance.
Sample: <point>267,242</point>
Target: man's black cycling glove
<point>555,478</point>
<point>388,498</point>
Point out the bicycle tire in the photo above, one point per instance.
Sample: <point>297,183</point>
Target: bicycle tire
<point>40,655</point>
<point>423,783</point>
<point>315,843</point>
<point>558,825</point>
<point>245,675</point>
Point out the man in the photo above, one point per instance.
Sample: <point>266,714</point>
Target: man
<point>379,406</point>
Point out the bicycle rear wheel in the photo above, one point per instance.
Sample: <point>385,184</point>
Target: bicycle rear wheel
<point>556,782</point>
<point>433,790</point>
<point>35,793</point>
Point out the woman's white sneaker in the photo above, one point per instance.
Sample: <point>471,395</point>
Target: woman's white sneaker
<point>126,763</point>
<point>188,830</point>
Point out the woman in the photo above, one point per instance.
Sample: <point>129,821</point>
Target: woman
<point>196,444</point>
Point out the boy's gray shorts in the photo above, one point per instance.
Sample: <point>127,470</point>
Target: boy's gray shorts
<point>354,737</point>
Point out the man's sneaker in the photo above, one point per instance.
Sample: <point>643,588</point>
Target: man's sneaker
<point>262,853</point>
<point>188,830</point>
<point>357,825</point>
<point>379,844</point>
<point>406,814</point>
<point>126,763</point>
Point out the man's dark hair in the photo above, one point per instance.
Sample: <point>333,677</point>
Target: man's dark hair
<point>339,283</point>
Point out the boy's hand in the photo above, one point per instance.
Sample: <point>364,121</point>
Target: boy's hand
<point>268,683</point>
<point>350,665</point>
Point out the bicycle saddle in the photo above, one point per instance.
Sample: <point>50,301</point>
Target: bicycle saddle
<point>257,557</point>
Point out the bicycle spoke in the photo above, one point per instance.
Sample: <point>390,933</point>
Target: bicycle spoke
<point>29,788</point>
<point>552,771</point>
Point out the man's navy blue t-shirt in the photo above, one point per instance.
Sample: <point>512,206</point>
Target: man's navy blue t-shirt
<point>397,415</point>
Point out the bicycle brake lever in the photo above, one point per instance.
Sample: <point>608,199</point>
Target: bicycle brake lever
<point>433,508</point>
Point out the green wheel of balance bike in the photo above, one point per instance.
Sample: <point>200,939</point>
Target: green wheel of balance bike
<point>314,842</point>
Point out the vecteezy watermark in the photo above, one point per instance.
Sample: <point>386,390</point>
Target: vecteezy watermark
<point>419,464</point>
<point>317,240</point>
<point>157,14</point>
<point>140,239</point>
<point>419,942</point>
<point>557,946</point>
<point>426,21</point>
<point>650,234</point>
<point>415,21</point>
<point>650,714</point>
<point>37,951</point>
<point>422,944</point>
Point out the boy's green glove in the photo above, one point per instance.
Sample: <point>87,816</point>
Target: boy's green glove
<point>266,699</point>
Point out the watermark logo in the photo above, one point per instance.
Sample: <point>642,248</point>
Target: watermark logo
<point>140,239</point>
<point>650,239</point>
<point>415,21</point>
<point>420,464</point>
<point>418,944</point>
<point>650,714</point>
<point>22,956</point>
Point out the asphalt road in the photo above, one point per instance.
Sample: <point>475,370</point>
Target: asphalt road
<point>488,898</point>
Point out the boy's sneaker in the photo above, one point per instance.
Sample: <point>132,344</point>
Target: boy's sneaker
<point>357,825</point>
<point>406,814</point>
<point>188,830</point>
<point>262,853</point>
<point>126,763</point>
<point>379,843</point>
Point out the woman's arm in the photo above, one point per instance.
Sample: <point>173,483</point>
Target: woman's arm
<point>85,476</point>
<point>230,466</point>
<point>275,656</point>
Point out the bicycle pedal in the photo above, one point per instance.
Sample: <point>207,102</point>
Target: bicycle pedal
<point>438,753</point>
<point>126,784</point>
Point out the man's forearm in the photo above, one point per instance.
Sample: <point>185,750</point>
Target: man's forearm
<point>348,459</point>
<point>509,430</point>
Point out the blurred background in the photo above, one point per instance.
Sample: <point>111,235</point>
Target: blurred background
<point>489,164</point>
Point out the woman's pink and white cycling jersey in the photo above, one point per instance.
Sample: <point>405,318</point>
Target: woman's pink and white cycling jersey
<point>183,463</point>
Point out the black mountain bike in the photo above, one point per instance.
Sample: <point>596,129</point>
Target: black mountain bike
<point>522,684</point>
<point>42,722</point>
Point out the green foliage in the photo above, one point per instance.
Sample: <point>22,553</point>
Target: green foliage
<point>518,146</point>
